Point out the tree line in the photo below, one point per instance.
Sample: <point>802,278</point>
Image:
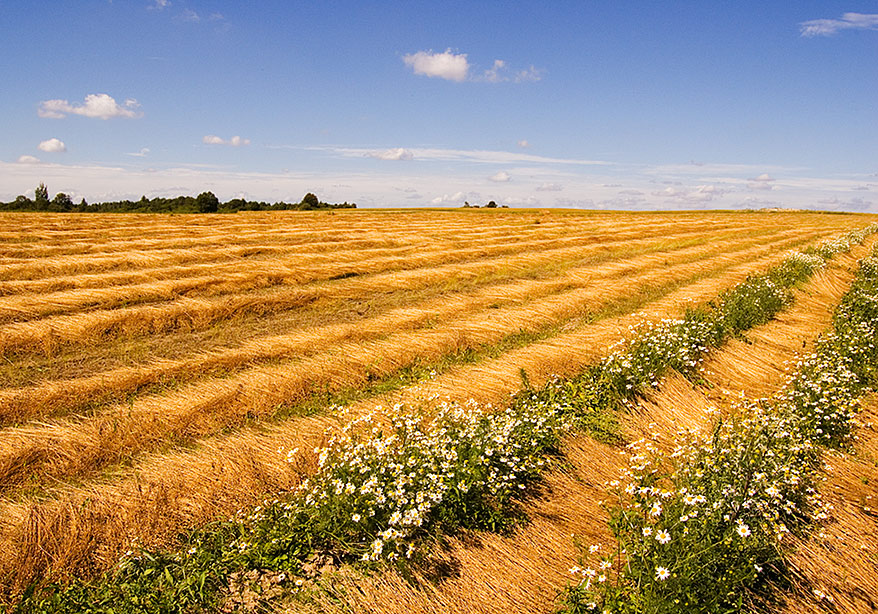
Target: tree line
<point>206,202</point>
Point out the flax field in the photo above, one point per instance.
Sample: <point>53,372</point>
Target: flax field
<point>161,374</point>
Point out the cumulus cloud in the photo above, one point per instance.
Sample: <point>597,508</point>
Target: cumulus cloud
<point>550,187</point>
<point>848,21</point>
<point>456,67</point>
<point>500,177</point>
<point>99,106</point>
<point>399,153</point>
<point>449,199</point>
<point>52,146</point>
<point>235,141</point>
<point>445,65</point>
<point>28,160</point>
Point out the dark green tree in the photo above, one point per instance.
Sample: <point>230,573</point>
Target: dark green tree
<point>62,202</point>
<point>491,205</point>
<point>41,195</point>
<point>311,201</point>
<point>207,202</point>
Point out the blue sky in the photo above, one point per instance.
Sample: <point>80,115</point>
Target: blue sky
<point>617,105</point>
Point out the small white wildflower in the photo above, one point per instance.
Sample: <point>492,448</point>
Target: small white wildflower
<point>662,573</point>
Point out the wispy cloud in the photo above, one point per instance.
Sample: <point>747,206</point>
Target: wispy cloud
<point>550,187</point>
<point>158,5</point>
<point>848,21</point>
<point>500,177</point>
<point>235,141</point>
<point>465,155</point>
<point>188,15</point>
<point>140,154</point>
<point>100,106</point>
<point>400,153</point>
<point>52,146</point>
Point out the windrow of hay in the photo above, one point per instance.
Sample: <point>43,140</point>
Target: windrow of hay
<point>63,396</point>
<point>65,449</point>
<point>100,235</point>
<point>166,492</point>
<point>189,313</point>
<point>236,277</point>
<point>302,238</point>
<point>836,569</point>
<point>234,261</point>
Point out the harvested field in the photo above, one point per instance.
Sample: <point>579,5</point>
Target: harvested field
<point>154,365</point>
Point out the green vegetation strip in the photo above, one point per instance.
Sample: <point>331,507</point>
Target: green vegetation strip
<point>703,528</point>
<point>383,491</point>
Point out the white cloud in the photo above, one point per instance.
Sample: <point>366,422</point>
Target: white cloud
<point>100,106</point>
<point>159,5</point>
<point>523,143</point>
<point>761,182</point>
<point>140,154</point>
<point>701,194</point>
<point>446,65</point>
<point>525,201</point>
<point>457,198</point>
<point>235,141</point>
<point>848,21</point>
<point>528,74</point>
<point>500,177</point>
<point>500,73</point>
<point>550,187</point>
<point>28,160</point>
<point>399,153</point>
<point>764,177</point>
<point>493,74</point>
<point>52,146</point>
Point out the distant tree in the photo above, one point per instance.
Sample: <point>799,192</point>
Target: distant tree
<point>41,195</point>
<point>206,202</point>
<point>62,202</point>
<point>491,205</point>
<point>311,201</point>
